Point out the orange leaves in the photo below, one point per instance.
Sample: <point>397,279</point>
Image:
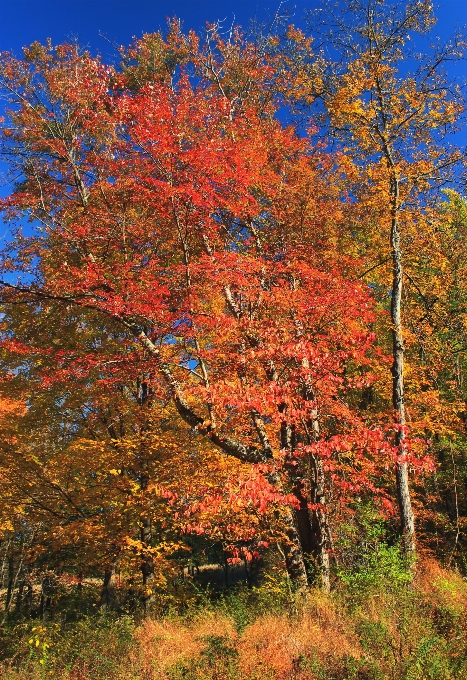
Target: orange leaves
<point>185,255</point>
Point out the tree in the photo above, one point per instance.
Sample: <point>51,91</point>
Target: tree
<point>394,124</point>
<point>177,230</point>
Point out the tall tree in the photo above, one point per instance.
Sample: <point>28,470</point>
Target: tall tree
<point>181,227</point>
<point>393,111</point>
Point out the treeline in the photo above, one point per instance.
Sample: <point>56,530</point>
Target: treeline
<point>226,339</point>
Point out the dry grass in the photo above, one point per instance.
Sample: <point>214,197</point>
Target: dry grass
<point>418,633</point>
<point>277,645</point>
<point>163,644</point>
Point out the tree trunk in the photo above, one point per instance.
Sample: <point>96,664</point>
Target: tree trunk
<point>298,532</point>
<point>294,559</point>
<point>9,590</point>
<point>321,531</point>
<point>107,593</point>
<point>28,600</point>
<point>19,595</point>
<point>313,533</point>
<point>49,588</point>
<point>398,389</point>
<point>305,530</point>
<point>319,526</point>
<point>147,563</point>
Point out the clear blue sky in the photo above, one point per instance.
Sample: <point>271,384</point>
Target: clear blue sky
<point>23,21</point>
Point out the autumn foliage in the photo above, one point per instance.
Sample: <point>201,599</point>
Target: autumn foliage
<point>206,312</point>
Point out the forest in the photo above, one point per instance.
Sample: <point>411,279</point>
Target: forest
<point>233,337</point>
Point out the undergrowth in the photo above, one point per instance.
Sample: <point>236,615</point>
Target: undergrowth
<point>383,621</point>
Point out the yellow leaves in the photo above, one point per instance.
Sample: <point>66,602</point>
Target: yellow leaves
<point>295,34</point>
<point>134,487</point>
<point>42,640</point>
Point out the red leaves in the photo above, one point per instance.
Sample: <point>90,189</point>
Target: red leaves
<point>192,241</point>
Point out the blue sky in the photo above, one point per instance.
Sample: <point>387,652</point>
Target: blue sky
<point>23,21</point>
